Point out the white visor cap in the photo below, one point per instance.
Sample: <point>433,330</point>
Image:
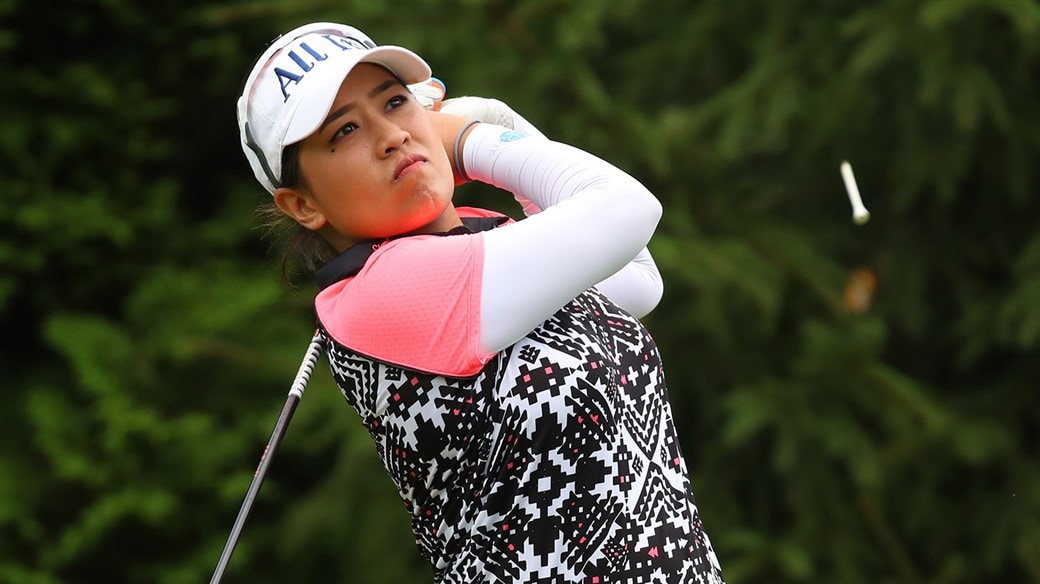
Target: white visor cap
<point>293,84</point>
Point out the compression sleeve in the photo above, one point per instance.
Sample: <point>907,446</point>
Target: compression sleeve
<point>595,220</point>
<point>637,287</point>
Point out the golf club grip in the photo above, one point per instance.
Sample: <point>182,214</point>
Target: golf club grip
<point>295,394</point>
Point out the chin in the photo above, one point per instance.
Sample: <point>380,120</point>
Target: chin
<point>436,196</point>
<point>441,219</point>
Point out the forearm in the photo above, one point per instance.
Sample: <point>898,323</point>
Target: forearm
<point>637,286</point>
<point>595,220</point>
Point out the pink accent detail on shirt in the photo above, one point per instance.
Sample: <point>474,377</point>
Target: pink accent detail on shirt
<point>415,303</point>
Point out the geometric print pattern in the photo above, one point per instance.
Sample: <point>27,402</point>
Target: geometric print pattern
<point>558,462</point>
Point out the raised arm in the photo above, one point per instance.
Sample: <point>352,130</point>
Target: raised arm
<point>594,220</point>
<point>637,286</point>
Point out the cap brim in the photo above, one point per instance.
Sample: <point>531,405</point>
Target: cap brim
<point>321,91</point>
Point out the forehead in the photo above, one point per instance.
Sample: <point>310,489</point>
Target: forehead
<point>364,77</point>
<point>365,81</point>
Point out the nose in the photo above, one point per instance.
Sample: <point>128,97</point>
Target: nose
<point>391,137</point>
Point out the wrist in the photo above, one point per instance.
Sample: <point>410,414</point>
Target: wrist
<point>457,163</point>
<point>452,130</point>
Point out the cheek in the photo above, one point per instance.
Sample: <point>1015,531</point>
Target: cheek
<point>343,180</point>
<point>445,178</point>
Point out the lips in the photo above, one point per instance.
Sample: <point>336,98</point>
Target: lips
<point>407,164</point>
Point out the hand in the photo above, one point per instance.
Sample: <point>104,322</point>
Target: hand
<point>489,111</point>
<point>429,93</point>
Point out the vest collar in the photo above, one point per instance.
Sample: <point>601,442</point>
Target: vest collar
<point>350,262</point>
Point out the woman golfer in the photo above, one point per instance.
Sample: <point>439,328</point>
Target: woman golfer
<point>513,396</point>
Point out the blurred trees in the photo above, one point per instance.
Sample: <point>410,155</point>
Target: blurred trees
<point>857,403</point>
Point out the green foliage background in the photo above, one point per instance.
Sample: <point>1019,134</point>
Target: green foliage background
<point>148,344</point>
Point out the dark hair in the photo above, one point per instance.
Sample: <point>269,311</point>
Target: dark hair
<point>304,251</point>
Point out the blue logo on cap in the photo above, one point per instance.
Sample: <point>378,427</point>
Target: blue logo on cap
<point>286,77</point>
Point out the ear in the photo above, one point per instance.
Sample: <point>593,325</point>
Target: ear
<point>301,206</point>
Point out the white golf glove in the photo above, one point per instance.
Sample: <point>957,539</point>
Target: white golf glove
<point>431,93</point>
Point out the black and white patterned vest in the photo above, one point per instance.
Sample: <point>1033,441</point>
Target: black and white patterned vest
<point>558,462</point>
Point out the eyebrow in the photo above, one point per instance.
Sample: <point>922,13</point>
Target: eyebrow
<point>338,112</point>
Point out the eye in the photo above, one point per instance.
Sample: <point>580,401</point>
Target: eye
<point>346,129</point>
<point>396,101</point>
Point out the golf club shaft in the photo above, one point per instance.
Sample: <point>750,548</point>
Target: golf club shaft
<point>295,394</point>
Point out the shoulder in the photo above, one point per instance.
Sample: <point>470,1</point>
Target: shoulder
<point>413,297</point>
